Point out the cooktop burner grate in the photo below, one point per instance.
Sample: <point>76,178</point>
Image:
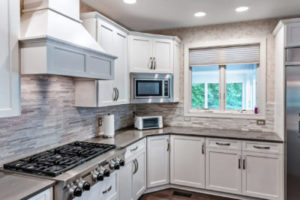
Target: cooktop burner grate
<point>56,161</point>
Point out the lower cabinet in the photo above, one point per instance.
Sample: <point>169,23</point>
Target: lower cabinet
<point>45,195</point>
<point>247,168</point>
<point>263,175</point>
<point>188,161</point>
<point>223,167</point>
<point>158,148</point>
<point>132,180</point>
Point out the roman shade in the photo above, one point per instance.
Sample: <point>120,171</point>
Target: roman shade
<point>225,55</point>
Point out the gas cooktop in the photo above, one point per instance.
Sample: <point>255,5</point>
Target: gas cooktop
<point>58,160</point>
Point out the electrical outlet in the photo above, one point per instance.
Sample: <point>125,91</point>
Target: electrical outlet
<point>261,122</point>
<point>100,121</point>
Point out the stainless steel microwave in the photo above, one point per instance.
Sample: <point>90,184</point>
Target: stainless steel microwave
<point>151,88</point>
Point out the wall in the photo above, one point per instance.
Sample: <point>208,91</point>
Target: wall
<point>49,119</point>
<point>174,113</point>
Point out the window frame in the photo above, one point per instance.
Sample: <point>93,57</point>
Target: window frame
<point>223,113</point>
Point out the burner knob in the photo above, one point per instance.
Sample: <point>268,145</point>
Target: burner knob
<point>117,166</point>
<point>83,184</point>
<point>122,162</point>
<point>74,190</point>
<point>100,177</point>
<point>112,164</point>
<point>86,186</point>
<point>106,173</point>
<point>77,192</point>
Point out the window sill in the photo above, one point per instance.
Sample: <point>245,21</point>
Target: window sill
<point>228,114</point>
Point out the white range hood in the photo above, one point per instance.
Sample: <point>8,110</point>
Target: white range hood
<point>53,41</point>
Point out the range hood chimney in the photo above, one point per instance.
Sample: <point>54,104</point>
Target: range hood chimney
<point>53,41</point>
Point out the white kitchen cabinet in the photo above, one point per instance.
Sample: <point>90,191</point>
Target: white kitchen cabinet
<point>163,55</point>
<point>140,54</point>
<point>125,181</point>
<point>10,103</point>
<point>188,161</point>
<point>223,166</point>
<point>139,175</point>
<point>149,53</point>
<point>158,148</point>
<point>176,78</point>
<point>263,170</point>
<point>45,195</point>
<point>132,182</point>
<point>114,40</point>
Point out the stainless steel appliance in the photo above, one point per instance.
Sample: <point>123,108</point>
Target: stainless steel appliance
<point>148,122</point>
<point>77,168</point>
<point>151,88</point>
<point>293,131</point>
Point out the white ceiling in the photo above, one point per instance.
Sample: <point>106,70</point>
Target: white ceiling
<point>164,14</point>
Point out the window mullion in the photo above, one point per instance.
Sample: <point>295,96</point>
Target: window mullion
<point>222,87</point>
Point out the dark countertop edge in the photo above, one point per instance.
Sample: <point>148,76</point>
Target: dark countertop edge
<point>38,191</point>
<point>197,135</point>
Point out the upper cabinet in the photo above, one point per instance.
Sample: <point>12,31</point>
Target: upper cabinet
<point>9,64</point>
<point>149,53</point>
<point>114,40</point>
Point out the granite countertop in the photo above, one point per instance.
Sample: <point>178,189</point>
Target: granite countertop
<point>16,187</point>
<point>126,137</point>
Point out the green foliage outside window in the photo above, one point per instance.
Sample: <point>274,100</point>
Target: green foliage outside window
<point>213,95</point>
<point>198,95</point>
<point>234,96</point>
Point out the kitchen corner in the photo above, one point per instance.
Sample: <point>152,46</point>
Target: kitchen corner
<point>140,100</point>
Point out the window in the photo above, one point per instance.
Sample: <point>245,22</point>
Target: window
<point>226,80</point>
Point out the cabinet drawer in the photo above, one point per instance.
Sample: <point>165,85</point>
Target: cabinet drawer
<point>263,147</point>
<point>109,189</point>
<point>135,148</point>
<point>224,144</point>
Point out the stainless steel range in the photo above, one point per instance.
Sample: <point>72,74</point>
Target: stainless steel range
<point>76,167</point>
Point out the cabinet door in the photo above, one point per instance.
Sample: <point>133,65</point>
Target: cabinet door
<point>262,175</point>
<point>157,161</point>
<point>187,161</point>
<point>105,38</point>
<point>125,181</point>
<point>223,170</point>
<point>121,82</point>
<point>140,53</point>
<point>163,55</point>
<point>9,59</point>
<point>176,86</point>
<point>139,175</point>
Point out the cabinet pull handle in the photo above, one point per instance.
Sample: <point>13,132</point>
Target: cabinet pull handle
<point>151,62</point>
<point>135,166</point>
<point>223,144</point>
<point>203,148</point>
<point>117,94</point>
<point>168,147</point>
<point>114,94</point>
<point>259,147</point>
<point>107,190</point>
<point>134,149</point>
<point>154,61</point>
<point>239,165</point>
<point>244,164</point>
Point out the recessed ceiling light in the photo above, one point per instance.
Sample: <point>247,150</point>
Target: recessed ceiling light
<point>130,1</point>
<point>242,9</point>
<point>200,14</point>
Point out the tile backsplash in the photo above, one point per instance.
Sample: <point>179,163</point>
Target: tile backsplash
<point>49,118</point>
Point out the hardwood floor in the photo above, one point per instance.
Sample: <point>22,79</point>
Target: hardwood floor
<point>172,194</point>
